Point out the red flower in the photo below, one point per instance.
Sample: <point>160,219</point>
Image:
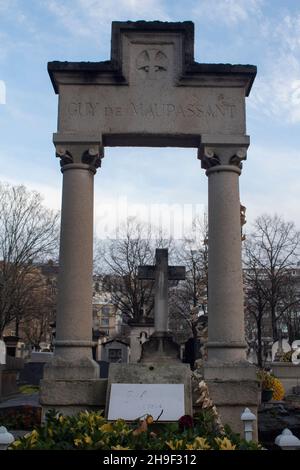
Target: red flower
<point>185,422</point>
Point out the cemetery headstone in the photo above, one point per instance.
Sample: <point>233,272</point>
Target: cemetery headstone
<point>296,352</point>
<point>141,398</point>
<point>160,382</point>
<point>2,352</point>
<point>132,401</point>
<point>279,348</point>
<point>161,346</point>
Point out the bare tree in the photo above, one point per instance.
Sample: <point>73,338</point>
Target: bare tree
<point>39,310</point>
<point>118,261</point>
<point>256,303</point>
<point>270,254</point>
<point>28,234</point>
<point>189,299</point>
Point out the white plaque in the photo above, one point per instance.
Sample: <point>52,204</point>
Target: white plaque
<point>131,401</point>
<point>2,352</point>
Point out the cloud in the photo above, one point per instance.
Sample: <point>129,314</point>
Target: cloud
<point>230,12</point>
<point>277,187</point>
<point>86,17</point>
<point>5,5</point>
<point>277,89</point>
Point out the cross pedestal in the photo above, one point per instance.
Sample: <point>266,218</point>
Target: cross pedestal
<point>161,347</point>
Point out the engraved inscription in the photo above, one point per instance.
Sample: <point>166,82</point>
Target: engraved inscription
<point>152,64</point>
<point>150,111</point>
<point>170,110</point>
<point>83,109</point>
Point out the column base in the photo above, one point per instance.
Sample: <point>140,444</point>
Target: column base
<point>232,388</point>
<point>71,386</point>
<point>65,369</point>
<point>71,396</point>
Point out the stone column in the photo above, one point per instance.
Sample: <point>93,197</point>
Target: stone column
<point>230,378</point>
<point>226,341</point>
<point>68,377</point>
<point>75,282</point>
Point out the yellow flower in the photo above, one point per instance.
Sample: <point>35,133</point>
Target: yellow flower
<point>278,389</point>
<point>16,444</point>
<point>199,443</point>
<point>50,432</point>
<point>61,419</point>
<point>175,445</point>
<point>88,439</point>
<point>106,427</point>
<point>33,436</point>
<point>224,444</point>
<point>77,442</point>
<point>118,447</point>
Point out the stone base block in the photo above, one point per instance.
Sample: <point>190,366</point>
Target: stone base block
<point>72,396</point>
<point>161,348</point>
<point>153,373</point>
<point>65,369</point>
<point>232,389</point>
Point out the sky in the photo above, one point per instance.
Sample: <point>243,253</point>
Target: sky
<point>168,181</point>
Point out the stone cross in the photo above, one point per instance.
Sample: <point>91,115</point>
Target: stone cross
<point>161,273</point>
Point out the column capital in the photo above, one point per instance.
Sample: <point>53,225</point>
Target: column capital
<point>80,155</point>
<point>222,156</point>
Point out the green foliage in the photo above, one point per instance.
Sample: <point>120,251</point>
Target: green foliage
<point>28,389</point>
<point>91,431</point>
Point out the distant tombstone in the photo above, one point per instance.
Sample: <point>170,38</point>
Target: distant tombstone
<point>296,352</point>
<point>296,344</point>
<point>2,352</point>
<point>132,401</point>
<point>277,346</point>
<point>252,356</point>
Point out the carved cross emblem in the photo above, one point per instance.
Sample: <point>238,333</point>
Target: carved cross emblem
<point>152,64</point>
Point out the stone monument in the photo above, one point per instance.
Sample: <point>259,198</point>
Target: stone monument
<point>160,370</point>
<point>161,347</point>
<point>151,93</point>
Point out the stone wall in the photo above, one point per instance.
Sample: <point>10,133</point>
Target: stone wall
<point>288,373</point>
<point>9,374</point>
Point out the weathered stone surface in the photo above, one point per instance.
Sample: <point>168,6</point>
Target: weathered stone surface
<point>233,388</point>
<point>288,373</point>
<point>73,392</point>
<point>232,392</point>
<point>160,349</point>
<point>152,90</point>
<point>155,374</point>
<point>218,370</point>
<point>66,369</point>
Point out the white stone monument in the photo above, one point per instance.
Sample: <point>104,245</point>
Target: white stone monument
<point>151,93</point>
